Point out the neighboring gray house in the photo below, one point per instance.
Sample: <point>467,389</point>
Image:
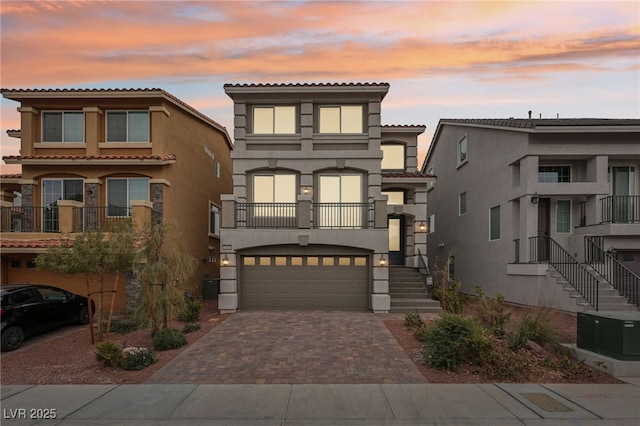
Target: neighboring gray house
<point>325,199</point>
<point>514,196</point>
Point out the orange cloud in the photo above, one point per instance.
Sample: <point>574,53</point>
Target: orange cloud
<point>75,43</point>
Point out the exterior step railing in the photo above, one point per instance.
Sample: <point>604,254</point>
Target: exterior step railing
<point>619,276</point>
<point>425,274</point>
<point>545,249</point>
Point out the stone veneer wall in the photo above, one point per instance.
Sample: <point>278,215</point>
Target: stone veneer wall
<point>91,196</point>
<point>26,189</point>
<point>157,197</point>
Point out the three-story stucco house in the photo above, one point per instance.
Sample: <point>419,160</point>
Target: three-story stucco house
<point>92,157</point>
<point>543,211</point>
<point>325,198</point>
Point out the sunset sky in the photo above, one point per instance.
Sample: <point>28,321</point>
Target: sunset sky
<point>442,59</point>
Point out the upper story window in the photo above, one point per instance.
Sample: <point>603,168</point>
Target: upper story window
<point>462,150</point>
<point>271,120</point>
<point>494,223</point>
<point>121,191</point>
<point>462,203</point>
<point>214,220</point>
<point>127,126</point>
<point>392,157</point>
<point>62,126</point>
<point>341,119</point>
<point>554,174</point>
<point>394,197</point>
<point>274,188</point>
<point>430,170</point>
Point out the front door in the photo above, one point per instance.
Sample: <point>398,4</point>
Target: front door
<point>544,226</point>
<point>396,240</point>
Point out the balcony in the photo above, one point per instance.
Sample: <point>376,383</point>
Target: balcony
<point>620,209</point>
<point>304,214</point>
<point>72,217</point>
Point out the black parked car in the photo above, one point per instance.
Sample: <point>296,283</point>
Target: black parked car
<point>28,309</point>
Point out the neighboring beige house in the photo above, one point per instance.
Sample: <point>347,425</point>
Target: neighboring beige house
<point>91,157</point>
<point>516,196</point>
<point>325,199</point>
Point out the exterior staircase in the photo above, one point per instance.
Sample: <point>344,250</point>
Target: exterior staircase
<point>408,293</point>
<point>609,299</point>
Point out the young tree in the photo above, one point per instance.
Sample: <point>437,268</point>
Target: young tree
<point>166,271</point>
<point>95,255</point>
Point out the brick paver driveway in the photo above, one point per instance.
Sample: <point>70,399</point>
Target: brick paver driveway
<point>294,347</point>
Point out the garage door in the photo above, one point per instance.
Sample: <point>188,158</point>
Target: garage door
<point>305,282</point>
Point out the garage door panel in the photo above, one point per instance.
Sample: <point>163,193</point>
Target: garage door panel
<point>341,287</point>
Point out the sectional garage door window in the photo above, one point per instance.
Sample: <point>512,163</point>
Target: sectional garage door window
<point>305,282</point>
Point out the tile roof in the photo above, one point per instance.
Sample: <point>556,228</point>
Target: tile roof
<point>31,244</point>
<point>407,175</point>
<point>162,157</point>
<point>16,94</point>
<point>279,85</point>
<point>532,123</point>
<point>11,176</point>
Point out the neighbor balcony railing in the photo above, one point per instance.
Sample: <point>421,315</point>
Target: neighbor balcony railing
<point>620,209</point>
<point>29,219</point>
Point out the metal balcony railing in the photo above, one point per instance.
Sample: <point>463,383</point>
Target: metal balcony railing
<point>619,276</point>
<point>343,215</point>
<point>545,249</point>
<point>266,215</point>
<point>620,209</point>
<point>29,219</point>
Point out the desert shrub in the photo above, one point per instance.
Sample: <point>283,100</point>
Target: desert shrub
<point>447,291</point>
<point>536,327</point>
<point>413,321</point>
<point>421,332</point>
<point>190,328</point>
<point>454,339</point>
<point>109,353</point>
<point>191,311</point>
<point>490,312</point>
<point>168,338</point>
<point>137,359</point>
<point>122,326</point>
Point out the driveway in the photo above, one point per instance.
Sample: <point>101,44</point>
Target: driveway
<point>294,347</point>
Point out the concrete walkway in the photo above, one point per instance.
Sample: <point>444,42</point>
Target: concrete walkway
<point>364,404</point>
<point>294,347</point>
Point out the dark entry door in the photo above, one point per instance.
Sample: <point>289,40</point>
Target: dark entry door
<point>544,226</point>
<point>396,240</point>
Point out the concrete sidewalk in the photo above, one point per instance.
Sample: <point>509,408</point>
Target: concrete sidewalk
<point>363,404</point>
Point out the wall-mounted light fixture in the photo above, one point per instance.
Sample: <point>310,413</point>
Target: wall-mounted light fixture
<point>225,261</point>
<point>422,227</point>
<point>441,245</point>
<point>535,198</point>
<point>383,261</point>
<point>305,190</point>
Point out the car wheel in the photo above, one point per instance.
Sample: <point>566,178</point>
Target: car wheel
<point>12,338</point>
<point>83,317</point>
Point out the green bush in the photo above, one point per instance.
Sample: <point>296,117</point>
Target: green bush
<point>109,353</point>
<point>168,338</point>
<point>191,311</point>
<point>413,321</point>
<point>137,359</point>
<point>454,339</point>
<point>122,326</point>
<point>190,328</point>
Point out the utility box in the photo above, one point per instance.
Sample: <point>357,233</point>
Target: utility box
<point>211,288</point>
<point>614,334</point>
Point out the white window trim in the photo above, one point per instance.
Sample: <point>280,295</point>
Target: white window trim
<point>460,162</point>
<point>431,223</point>
<point>127,111</point>
<point>84,125</point>
<point>212,234</point>
<point>460,212</point>
<point>61,179</point>
<point>499,223</point>
<point>570,216</point>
